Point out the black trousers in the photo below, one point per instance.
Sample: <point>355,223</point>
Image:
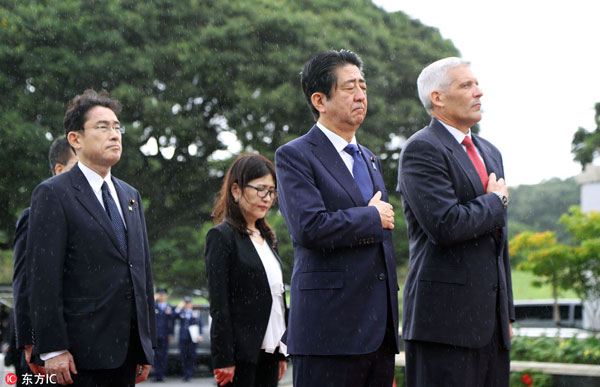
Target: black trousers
<point>161,357</point>
<point>263,374</point>
<point>440,365</point>
<point>123,376</point>
<point>374,369</point>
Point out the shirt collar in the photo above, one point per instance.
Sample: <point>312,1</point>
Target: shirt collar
<point>94,178</point>
<point>457,134</point>
<point>338,142</point>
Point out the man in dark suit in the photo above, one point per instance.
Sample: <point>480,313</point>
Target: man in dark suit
<point>61,159</point>
<point>92,302</point>
<point>458,304</point>
<point>165,318</point>
<point>343,317</point>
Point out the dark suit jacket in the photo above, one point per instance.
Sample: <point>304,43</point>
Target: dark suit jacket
<point>240,296</point>
<point>82,284</point>
<point>344,274</point>
<point>20,290</point>
<point>165,321</point>
<point>459,263</point>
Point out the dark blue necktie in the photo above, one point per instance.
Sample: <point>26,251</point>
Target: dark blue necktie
<point>360,172</point>
<point>115,217</point>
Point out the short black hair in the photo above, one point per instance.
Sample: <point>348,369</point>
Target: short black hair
<point>318,75</point>
<point>60,153</point>
<point>77,108</point>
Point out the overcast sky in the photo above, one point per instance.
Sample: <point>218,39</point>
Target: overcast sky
<point>538,64</point>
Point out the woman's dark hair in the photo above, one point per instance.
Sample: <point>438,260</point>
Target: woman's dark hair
<point>245,168</point>
<point>318,75</point>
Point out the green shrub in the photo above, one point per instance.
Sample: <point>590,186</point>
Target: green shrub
<point>528,378</point>
<point>556,350</point>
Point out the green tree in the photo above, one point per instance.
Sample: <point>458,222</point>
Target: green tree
<point>537,207</point>
<point>189,73</point>
<point>541,254</point>
<point>585,265</point>
<point>586,144</point>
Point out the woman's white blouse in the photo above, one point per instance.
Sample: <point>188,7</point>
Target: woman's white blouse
<point>276,325</point>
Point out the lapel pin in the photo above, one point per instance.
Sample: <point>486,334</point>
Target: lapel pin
<point>373,163</point>
<point>131,201</point>
<point>130,209</point>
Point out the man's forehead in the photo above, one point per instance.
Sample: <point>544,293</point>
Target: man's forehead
<point>349,74</point>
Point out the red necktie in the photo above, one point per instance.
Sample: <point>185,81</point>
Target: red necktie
<point>481,171</point>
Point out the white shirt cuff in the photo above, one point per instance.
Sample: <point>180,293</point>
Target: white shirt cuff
<point>50,355</point>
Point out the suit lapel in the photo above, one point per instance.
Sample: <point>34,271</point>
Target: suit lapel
<point>89,201</point>
<point>491,163</point>
<point>333,163</point>
<point>128,206</point>
<point>462,158</point>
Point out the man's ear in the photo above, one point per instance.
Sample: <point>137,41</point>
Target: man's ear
<point>318,101</point>
<point>437,98</point>
<point>58,169</point>
<point>74,140</point>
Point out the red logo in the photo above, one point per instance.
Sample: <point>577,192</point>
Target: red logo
<point>11,379</point>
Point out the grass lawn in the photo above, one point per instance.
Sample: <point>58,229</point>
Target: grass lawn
<point>524,290</point>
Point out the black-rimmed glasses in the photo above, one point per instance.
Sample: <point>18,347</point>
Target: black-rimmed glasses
<point>262,192</point>
<point>105,128</point>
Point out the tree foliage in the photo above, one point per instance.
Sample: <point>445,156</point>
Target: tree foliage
<point>541,254</point>
<point>586,144</point>
<point>537,207</point>
<point>188,74</point>
<point>575,267</point>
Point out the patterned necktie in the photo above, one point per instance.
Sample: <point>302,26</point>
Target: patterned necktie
<point>481,171</point>
<point>360,172</point>
<point>115,217</point>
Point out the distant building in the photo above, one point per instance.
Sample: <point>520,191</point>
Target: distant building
<point>589,181</point>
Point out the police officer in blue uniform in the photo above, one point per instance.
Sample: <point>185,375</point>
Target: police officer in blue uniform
<point>165,319</point>
<point>187,344</point>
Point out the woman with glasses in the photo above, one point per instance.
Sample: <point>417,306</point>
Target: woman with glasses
<point>245,278</point>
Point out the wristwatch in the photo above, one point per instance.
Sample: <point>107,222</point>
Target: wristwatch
<point>502,198</point>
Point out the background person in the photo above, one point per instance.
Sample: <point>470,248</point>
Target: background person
<point>343,327</point>
<point>92,301</point>
<point>458,301</point>
<point>61,159</point>
<point>245,278</point>
<point>165,319</point>
<point>187,346</point>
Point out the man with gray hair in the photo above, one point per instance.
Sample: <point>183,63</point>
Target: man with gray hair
<point>458,302</point>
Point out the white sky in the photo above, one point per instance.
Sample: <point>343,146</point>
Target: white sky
<point>538,64</point>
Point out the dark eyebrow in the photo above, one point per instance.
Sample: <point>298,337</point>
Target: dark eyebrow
<point>352,80</point>
<point>106,122</point>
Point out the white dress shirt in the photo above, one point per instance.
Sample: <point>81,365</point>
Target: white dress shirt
<point>339,144</point>
<point>460,136</point>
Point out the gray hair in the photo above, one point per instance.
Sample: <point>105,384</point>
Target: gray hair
<point>435,78</point>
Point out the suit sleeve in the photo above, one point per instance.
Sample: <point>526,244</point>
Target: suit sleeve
<point>309,221</point>
<point>20,289</point>
<point>218,261</point>
<point>149,281</point>
<point>428,188</point>
<point>47,238</point>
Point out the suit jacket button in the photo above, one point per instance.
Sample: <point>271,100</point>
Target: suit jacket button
<point>495,288</point>
<point>130,264</point>
<point>381,277</point>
